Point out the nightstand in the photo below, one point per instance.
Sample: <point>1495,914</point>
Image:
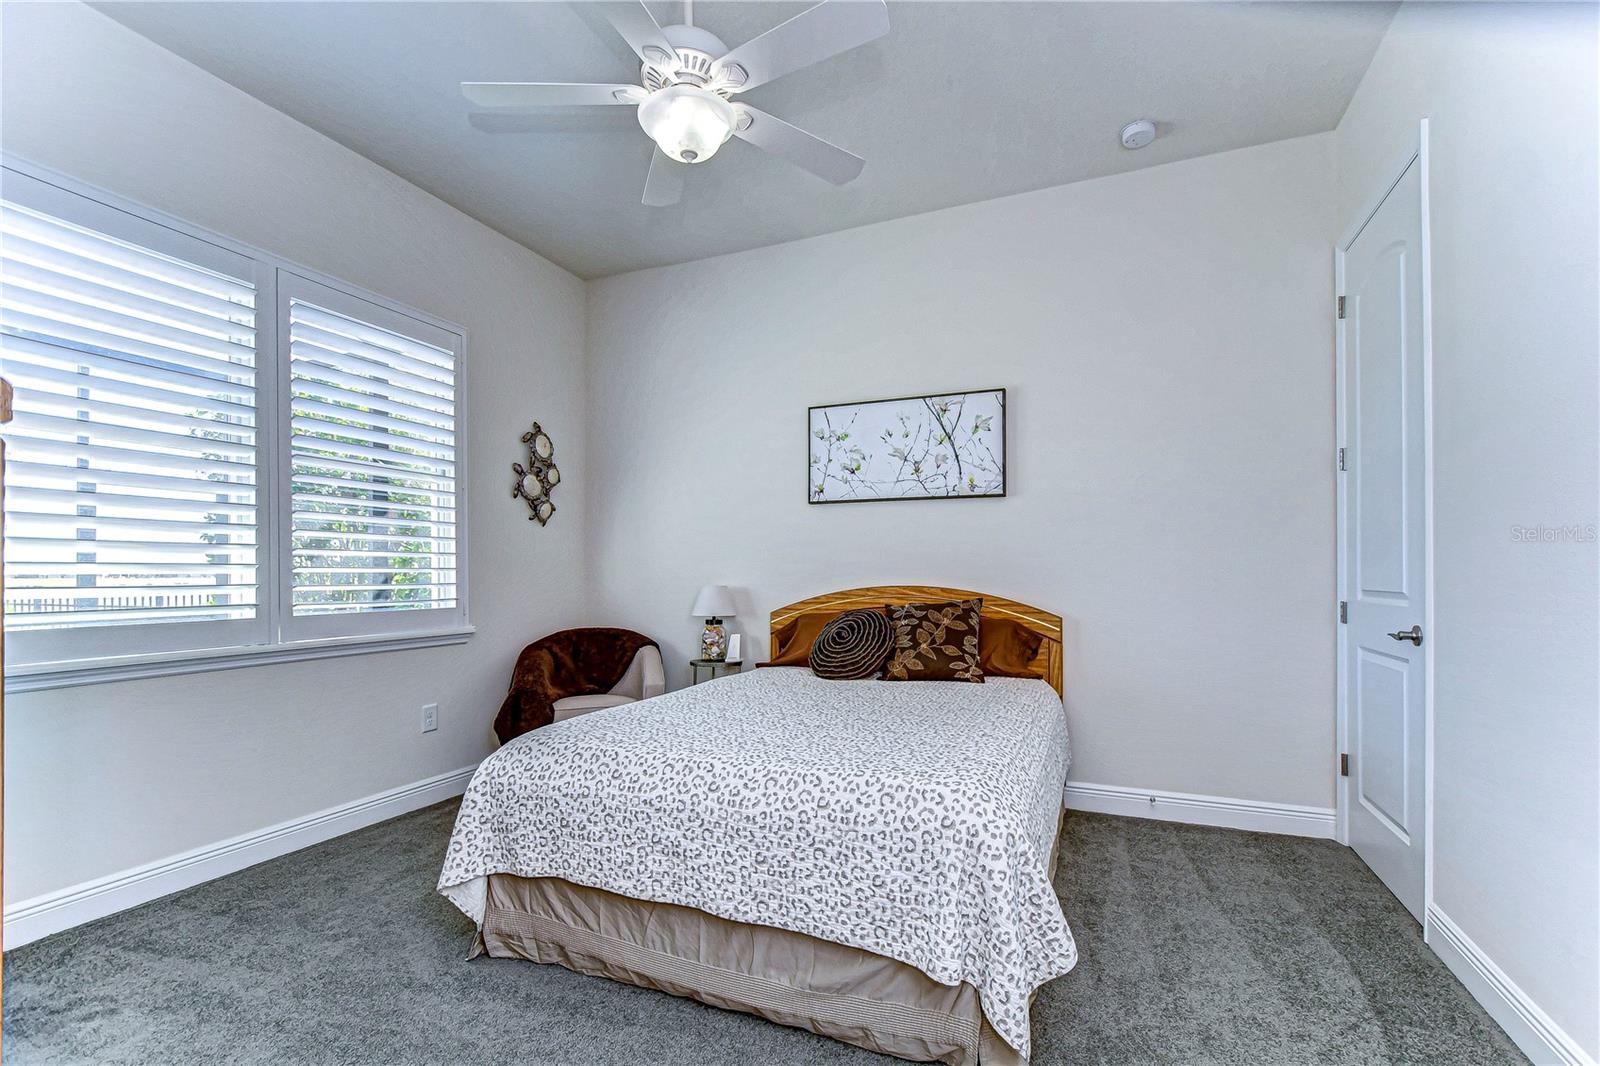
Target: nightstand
<point>711,666</point>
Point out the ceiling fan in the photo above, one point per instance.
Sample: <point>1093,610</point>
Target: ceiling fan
<point>689,79</point>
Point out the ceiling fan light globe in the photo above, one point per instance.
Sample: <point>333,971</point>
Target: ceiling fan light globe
<point>688,123</point>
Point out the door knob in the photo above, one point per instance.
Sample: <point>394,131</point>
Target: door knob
<point>1414,635</point>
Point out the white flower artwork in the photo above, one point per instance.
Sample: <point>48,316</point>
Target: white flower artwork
<point>951,445</point>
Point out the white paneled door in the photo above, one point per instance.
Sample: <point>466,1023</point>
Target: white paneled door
<point>1385,680</point>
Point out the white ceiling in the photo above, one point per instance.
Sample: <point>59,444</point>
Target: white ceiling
<point>960,102</point>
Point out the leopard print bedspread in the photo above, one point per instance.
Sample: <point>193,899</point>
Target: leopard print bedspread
<point>913,819</point>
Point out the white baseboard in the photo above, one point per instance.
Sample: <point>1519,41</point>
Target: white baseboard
<point>1531,1029</point>
<point>29,919</point>
<point>1200,810</point>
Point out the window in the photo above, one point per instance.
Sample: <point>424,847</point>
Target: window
<point>373,462</point>
<point>161,501</point>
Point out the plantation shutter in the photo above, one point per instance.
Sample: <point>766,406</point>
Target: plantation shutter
<point>373,459</point>
<point>131,484</point>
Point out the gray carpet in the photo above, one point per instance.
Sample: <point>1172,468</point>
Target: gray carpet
<point>1199,946</point>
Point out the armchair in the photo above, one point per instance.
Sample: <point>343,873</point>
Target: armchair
<point>645,677</point>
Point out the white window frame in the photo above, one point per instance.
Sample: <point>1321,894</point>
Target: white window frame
<point>89,655</point>
<point>292,285</point>
<point>97,642</point>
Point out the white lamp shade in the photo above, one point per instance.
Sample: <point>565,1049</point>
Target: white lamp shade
<point>714,601</point>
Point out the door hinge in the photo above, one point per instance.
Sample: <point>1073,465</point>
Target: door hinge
<point>1341,459</point>
<point>1344,765</point>
<point>1344,611</point>
<point>1341,307</point>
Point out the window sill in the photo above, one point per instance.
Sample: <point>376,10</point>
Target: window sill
<point>42,676</point>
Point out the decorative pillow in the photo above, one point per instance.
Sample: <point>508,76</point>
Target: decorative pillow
<point>852,646</point>
<point>1006,648</point>
<point>935,642</point>
<point>795,639</point>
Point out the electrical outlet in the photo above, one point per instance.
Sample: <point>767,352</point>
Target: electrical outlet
<point>430,717</point>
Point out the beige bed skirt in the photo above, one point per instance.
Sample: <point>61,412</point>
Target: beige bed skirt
<point>790,978</point>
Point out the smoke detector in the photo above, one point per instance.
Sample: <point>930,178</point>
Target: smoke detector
<point>1138,134</point>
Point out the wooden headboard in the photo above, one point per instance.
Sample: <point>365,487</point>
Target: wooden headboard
<point>1047,663</point>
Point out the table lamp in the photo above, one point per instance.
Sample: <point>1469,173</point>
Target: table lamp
<point>713,604</point>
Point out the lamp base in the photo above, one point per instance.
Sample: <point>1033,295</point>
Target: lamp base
<point>714,641</point>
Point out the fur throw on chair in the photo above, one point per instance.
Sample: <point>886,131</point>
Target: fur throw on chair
<point>573,662</point>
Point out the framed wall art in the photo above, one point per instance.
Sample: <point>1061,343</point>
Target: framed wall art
<point>941,446</point>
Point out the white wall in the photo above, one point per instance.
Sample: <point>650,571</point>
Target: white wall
<point>1510,94</point>
<point>102,778</point>
<point>1165,338</point>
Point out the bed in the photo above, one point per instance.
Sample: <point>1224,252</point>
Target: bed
<point>869,860</point>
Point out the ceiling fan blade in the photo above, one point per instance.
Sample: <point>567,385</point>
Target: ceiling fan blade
<point>663,186</point>
<point>589,120</point>
<point>548,93</point>
<point>799,147</point>
<point>639,28</point>
<point>815,34</point>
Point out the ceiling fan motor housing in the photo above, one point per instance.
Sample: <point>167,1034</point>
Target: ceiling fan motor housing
<point>698,50</point>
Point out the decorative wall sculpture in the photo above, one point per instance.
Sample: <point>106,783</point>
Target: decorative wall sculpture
<point>536,482</point>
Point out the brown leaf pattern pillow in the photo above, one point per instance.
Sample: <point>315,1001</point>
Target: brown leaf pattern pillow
<point>935,642</point>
